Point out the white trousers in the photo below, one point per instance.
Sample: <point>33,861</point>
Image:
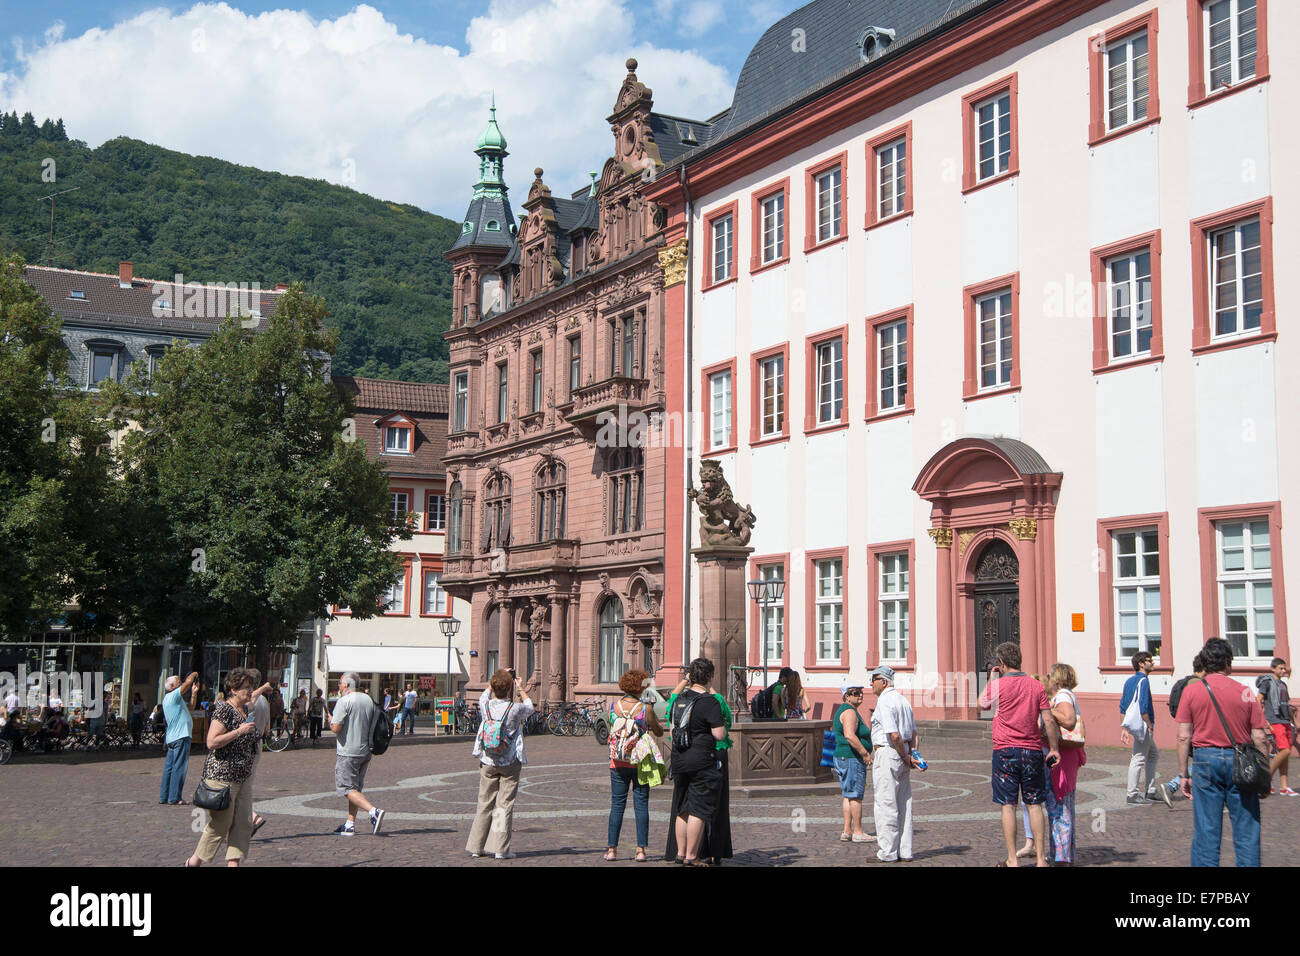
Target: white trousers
<point>892,809</point>
<point>1143,762</point>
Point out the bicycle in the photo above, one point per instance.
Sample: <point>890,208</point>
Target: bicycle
<point>6,751</point>
<point>278,738</point>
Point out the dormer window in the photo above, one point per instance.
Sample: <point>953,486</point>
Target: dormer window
<point>493,226</point>
<point>467,227</point>
<point>875,40</point>
<point>77,294</point>
<point>397,440</point>
<point>102,361</point>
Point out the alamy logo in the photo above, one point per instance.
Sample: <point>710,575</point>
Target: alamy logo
<point>76,909</point>
<point>77,691</point>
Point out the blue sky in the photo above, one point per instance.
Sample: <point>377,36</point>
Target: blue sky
<point>386,96</point>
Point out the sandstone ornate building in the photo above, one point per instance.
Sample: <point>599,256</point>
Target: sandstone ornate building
<point>556,531</point>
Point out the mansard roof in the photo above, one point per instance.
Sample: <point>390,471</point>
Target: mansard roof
<point>482,210</point>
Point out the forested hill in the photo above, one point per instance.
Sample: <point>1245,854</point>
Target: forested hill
<point>378,264</point>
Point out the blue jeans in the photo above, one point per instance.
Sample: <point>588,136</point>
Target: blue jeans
<point>1212,788</point>
<point>620,779</point>
<point>408,721</point>
<point>176,763</point>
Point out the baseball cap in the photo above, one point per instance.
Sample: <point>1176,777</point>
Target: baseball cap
<point>882,671</point>
<point>846,685</point>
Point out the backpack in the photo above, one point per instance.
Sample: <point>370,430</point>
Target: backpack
<point>682,723</point>
<point>381,734</point>
<point>624,735</point>
<point>1176,693</point>
<point>492,736</point>
<point>760,707</point>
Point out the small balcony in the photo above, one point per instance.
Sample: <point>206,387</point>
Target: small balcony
<point>616,398</point>
<point>461,446</point>
<point>560,554</point>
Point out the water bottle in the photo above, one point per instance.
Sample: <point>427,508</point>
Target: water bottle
<point>920,761</point>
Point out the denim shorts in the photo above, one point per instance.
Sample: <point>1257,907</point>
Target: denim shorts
<point>852,772</point>
<point>1018,775</point>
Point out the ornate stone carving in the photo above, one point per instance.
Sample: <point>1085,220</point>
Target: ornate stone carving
<point>534,337</point>
<point>501,350</point>
<point>672,260</point>
<point>573,322</point>
<point>624,546</point>
<point>537,620</point>
<point>1025,529</point>
<point>997,563</point>
<point>942,537</point>
<point>604,581</point>
<point>723,522</point>
<point>658,216</point>
<point>964,539</point>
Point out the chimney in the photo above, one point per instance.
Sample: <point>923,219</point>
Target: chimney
<point>282,287</point>
<point>124,273</point>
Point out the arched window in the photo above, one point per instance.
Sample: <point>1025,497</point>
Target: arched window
<point>455,502</point>
<point>492,640</point>
<point>610,666</point>
<point>550,480</point>
<point>626,490</point>
<point>496,511</point>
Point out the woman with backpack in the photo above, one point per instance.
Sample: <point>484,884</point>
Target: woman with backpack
<point>499,745</point>
<point>630,720</point>
<point>698,725</point>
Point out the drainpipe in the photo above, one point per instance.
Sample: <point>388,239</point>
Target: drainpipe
<point>687,428</point>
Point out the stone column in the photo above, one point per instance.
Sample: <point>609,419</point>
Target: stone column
<point>559,632</point>
<point>724,606</point>
<point>506,636</point>
<point>942,538</point>
<point>1031,642</point>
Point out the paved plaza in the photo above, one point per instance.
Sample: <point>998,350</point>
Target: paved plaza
<point>101,809</point>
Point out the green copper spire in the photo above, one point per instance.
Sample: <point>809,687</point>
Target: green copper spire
<point>491,151</point>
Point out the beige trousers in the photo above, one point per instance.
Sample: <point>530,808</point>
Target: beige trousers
<point>497,789</point>
<point>233,824</point>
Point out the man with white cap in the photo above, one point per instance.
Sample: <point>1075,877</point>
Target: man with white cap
<point>893,731</point>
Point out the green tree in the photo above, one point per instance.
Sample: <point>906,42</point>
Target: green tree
<point>56,514</point>
<point>259,511</point>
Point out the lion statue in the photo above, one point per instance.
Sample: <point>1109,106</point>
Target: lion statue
<point>723,522</point>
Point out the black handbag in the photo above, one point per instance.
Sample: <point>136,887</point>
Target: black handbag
<point>214,799</point>
<point>1250,768</point>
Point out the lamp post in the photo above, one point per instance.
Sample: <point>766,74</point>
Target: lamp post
<point>450,626</point>
<point>765,593</point>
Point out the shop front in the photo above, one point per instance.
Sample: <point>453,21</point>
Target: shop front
<point>424,669</point>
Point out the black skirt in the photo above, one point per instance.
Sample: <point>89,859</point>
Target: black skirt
<point>716,844</point>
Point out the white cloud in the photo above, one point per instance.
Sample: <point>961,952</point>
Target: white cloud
<point>701,15</point>
<point>354,96</point>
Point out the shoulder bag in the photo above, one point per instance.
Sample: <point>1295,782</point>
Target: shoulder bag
<point>214,799</point>
<point>1250,768</point>
<point>1075,737</point>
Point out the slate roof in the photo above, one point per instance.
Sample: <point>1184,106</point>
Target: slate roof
<point>482,210</point>
<point>1024,457</point>
<point>424,403</point>
<point>107,304</point>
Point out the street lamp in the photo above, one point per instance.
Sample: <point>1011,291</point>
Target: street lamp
<point>450,626</point>
<point>765,593</point>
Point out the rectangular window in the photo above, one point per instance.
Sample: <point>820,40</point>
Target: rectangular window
<point>401,505</point>
<point>460,414</point>
<point>101,367</point>
<point>1236,278</point>
<point>397,440</point>
<point>773,227</point>
<point>629,346</point>
<point>891,341</point>
<point>1128,286</point>
<point>1136,582</point>
<point>1245,583</point>
<point>503,392</point>
<point>829,603</point>
<point>723,249</point>
<point>436,513</point>
<point>1231,42</point>
<point>828,204</point>
<point>992,137</point>
<point>1128,89</point>
<point>772,617</point>
<point>771,398</point>
<point>891,178</point>
<point>394,601</point>
<point>435,598</point>
<point>720,409</point>
<point>995,356</point>
<point>575,364</point>
<point>830,381</point>
<point>894,609</point>
<point>537,381</point>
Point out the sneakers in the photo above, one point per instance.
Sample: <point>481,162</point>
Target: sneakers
<point>505,856</point>
<point>1136,800</point>
<point>1166,796</point>
<point>376,818</point>
<point>345,829</point>
<point>1288,792</point>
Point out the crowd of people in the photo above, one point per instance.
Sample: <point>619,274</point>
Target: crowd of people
<point>1039,747</point>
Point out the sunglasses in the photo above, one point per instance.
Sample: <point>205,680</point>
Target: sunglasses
<point>853,692</point>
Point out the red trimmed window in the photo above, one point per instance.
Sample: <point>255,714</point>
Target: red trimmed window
<point>401,504</point>
<point>889,176</point>
<point>889,364</point>
<point>825,404</point>
<point>398,435</point>
<point>827,604</point>
<point>990,133</point>
<point>1243,600</point>
<point>1124,92</point>
<point>398,594</point>
<point>770,216</point>
<point>720,407</point>
<point>769,418</point>
<point>1232,275</point>
<point>1227,47</point>
<point>825,203</point>
<point>1134,558</point>
<point>769,622</point>
<point>992,337</point>
<point>720,233</point>
<point>1127,323</point>
<point>893,597</point>
<point>434,601</point>
<point>435,512</point>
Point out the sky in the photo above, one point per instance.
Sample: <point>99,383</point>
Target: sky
<point>387,96</point>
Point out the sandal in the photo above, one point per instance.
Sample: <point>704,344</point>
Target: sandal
<point>261,822</point>
<point>679,860</point>
<point>640,856</point>
<point>698,862</point>
<point>1025,852</point>
<point>611,855</point>
<point>845,838</point>
<point>191,866</point>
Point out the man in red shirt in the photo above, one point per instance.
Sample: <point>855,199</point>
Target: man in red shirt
<point>1018,758</point>
<point>1201,726</point>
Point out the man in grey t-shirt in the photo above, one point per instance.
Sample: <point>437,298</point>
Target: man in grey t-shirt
<point>352,721</point>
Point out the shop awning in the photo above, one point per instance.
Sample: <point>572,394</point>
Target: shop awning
<point>391,660</point>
